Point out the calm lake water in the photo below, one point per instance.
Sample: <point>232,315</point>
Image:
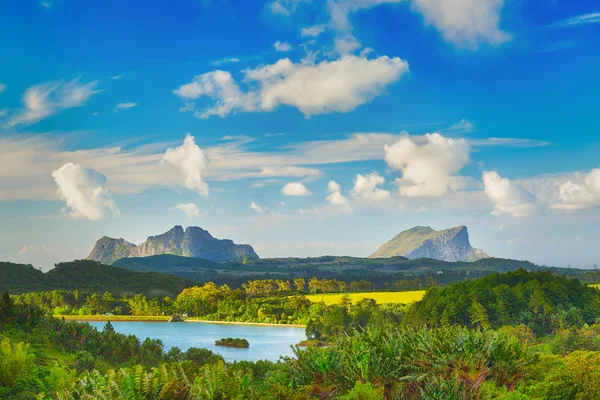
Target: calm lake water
<point>266,342</point>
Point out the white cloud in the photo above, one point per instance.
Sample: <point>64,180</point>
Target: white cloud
<point>508,197</point>
<point>46,99</point>
<point>339,13</point>
<point>463,126</point>
<point>465,23</point>
<point>365,188</point>
<point>329,86</point>
<point>284,7</point>
<point>257,208</point>
<point>191,162</point>
<point>2,87</point>
<point>336,197</point>
<point>124,106</point>
<point>190,209</point>
<point>4,112</point>
<point>584,19</point>
<point>429,164</point>
<point>295,189</point>
<point>312,31</point>
<point>84,192</point>
<point>116,77</point>
<point>282,46</point>
<point>226,60</point>
<point>580,191</point>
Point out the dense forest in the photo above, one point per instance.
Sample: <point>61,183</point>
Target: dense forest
<point>519,335</point>
<point>89,276</point>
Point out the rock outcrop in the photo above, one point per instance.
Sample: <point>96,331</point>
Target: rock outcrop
<point>423,242</point>
<point>193,242</point>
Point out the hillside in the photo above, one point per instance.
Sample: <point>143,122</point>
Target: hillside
<point>88,276</point>
<point>423,242</point>
<point>376,270</point>
<point>193,242</point>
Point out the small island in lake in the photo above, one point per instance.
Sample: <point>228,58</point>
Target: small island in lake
<point>231,342</point>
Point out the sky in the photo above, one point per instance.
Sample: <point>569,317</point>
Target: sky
<point>301,127</point>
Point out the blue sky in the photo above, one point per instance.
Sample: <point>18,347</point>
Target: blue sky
<point>316,127</point>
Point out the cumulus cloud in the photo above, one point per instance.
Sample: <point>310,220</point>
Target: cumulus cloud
<point>508,197</point>
<point>429,164</point>
<point>365,188</point>
<point>340,85</point>
<point>189,209</point>
<point>282,46</point>
<point>295,189</point>
<point>257,208</point>
<point>46,99</point>
<point>336,197</point>
<point>578,192</point>
<point>124,106</point>
<point>191,162</point>
<point>84,192</point>
<point>312,31</point>
<point>465,23</point>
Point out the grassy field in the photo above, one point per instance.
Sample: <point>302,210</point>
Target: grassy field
<point>379,297</point>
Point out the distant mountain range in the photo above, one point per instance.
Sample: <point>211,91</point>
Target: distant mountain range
<point>423,242</point>
<point>193,242</point>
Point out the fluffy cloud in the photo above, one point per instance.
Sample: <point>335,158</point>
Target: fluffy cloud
<point>191,162</point>
<point>428,164</point>
<point>508,197</point>
<point>340,85</point>
<point>282,46</point>
<point>257,208</point>
<point>464,22</point>
<point>579,192</point>
<point>124,106</point>
<point>335,195</point>
<point>312,31</point>
<point>46,99</point>
<point>2,87</point>
<point>365,188</point>
<point>190,209</point>
<point>295,189</point>
<point>83,189</point>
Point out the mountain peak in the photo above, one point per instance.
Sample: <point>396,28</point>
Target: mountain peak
<point>193,242</point>
<point>451,244</point>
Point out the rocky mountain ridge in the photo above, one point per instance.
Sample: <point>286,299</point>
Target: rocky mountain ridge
<point>424,242</point>
<point>193,242</point>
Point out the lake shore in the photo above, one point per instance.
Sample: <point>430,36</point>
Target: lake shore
<point>160,318</point>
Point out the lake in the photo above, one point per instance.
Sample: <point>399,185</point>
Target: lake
<point>266,342</point>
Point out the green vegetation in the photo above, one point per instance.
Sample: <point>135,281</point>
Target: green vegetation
<point>519,335</point>
<point>88,276</point>
<point>233,342</point>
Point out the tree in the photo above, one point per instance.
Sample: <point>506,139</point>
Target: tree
<point>299,283</point>
<point>479,315</point>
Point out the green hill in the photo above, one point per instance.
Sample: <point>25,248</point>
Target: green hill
<point>89,276</point>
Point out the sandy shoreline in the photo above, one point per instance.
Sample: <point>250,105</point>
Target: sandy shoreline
<point>131,318</point>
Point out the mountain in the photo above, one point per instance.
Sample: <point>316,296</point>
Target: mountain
<point>90,277</point>
<point>423,242</point>
<point>193,242</point>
